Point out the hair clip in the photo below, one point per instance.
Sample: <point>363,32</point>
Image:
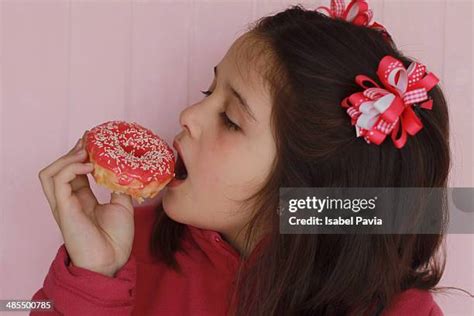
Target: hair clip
<point>357,12</point>
<point>379,111</point>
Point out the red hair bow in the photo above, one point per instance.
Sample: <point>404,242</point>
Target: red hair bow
<point>379,111</point>
<point>357,12</point>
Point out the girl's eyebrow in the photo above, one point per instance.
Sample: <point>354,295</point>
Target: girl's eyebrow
<point>243,102</point>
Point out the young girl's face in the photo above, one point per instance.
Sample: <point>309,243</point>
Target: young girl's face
<point>225,162</point>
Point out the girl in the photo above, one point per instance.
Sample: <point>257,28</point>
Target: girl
<point>271,118</point>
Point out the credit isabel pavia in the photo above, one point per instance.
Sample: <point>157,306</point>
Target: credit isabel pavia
<point>327,204</point>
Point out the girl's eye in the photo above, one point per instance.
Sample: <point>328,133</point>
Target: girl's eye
<point>227,122</point>
<point>206,93</point>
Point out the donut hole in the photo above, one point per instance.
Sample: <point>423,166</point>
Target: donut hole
<point>134,151</point>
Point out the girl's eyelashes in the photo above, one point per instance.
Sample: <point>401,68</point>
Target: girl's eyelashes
<point>225,119</point>
<point>206,93</point>
<point>228,123</point>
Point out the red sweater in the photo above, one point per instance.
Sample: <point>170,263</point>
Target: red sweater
<point>146,287</point>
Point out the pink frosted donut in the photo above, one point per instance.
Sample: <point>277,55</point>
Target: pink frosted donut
<point>130,159</point>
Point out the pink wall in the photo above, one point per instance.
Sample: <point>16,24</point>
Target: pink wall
<point>69,65</point>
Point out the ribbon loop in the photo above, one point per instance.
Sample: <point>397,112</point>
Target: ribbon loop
<point>380,111</point>
<point>357,12</point>
<point>384,110</point>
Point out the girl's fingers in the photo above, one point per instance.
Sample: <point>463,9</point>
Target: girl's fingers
<point>81,187</point>
<point>80,182</point>
<point>123,200</point>
<point>83,138</point>
<point>76,146</point>
<point>58,164</point>
<point>46,174</point>
<point>62,185</point>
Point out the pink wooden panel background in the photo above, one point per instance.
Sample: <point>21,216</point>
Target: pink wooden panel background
<point>69,65</point>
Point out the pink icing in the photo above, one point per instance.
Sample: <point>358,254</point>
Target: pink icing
<point>131,152</point>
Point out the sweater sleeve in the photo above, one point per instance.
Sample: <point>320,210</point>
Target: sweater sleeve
<point>77,291</point>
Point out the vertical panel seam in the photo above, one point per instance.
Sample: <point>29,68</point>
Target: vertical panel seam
<point>68,65</point>
<point>444,40</point>
<point>191,38</point>
<point>383,11</point>
<point>128,89</point>
<point>254,10</point>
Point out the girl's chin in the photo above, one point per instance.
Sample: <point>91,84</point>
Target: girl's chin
<point>172,208</point>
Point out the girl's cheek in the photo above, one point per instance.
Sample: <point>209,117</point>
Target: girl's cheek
<point>208,172</point>
<point>230,148</point>
<point>219,160</point>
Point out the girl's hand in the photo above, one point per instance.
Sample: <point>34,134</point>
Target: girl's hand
<point>97,237</point>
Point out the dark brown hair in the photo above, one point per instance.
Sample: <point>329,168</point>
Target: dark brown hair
<point>314,60</point>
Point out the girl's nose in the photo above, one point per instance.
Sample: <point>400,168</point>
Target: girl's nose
<point>188,121</point>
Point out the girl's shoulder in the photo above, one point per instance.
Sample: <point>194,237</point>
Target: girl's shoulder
<point>415,302</point>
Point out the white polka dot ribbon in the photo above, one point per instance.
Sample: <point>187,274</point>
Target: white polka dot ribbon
<point>379,111</point>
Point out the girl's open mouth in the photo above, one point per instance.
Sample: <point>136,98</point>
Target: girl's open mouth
<point>181,173</point>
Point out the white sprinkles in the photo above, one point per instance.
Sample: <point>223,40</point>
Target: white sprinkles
<point>129,145</point>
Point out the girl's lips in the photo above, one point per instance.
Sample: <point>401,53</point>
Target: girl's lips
<point>178,148</point>
<point>181,164</point>
<point>175,182</point>
<point>181,171</point>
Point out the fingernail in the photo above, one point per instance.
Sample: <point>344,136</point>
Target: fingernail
<point>76,147</point>
<point>80,152</point>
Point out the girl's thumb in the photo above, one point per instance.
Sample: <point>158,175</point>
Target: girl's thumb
<point>122,199</point>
